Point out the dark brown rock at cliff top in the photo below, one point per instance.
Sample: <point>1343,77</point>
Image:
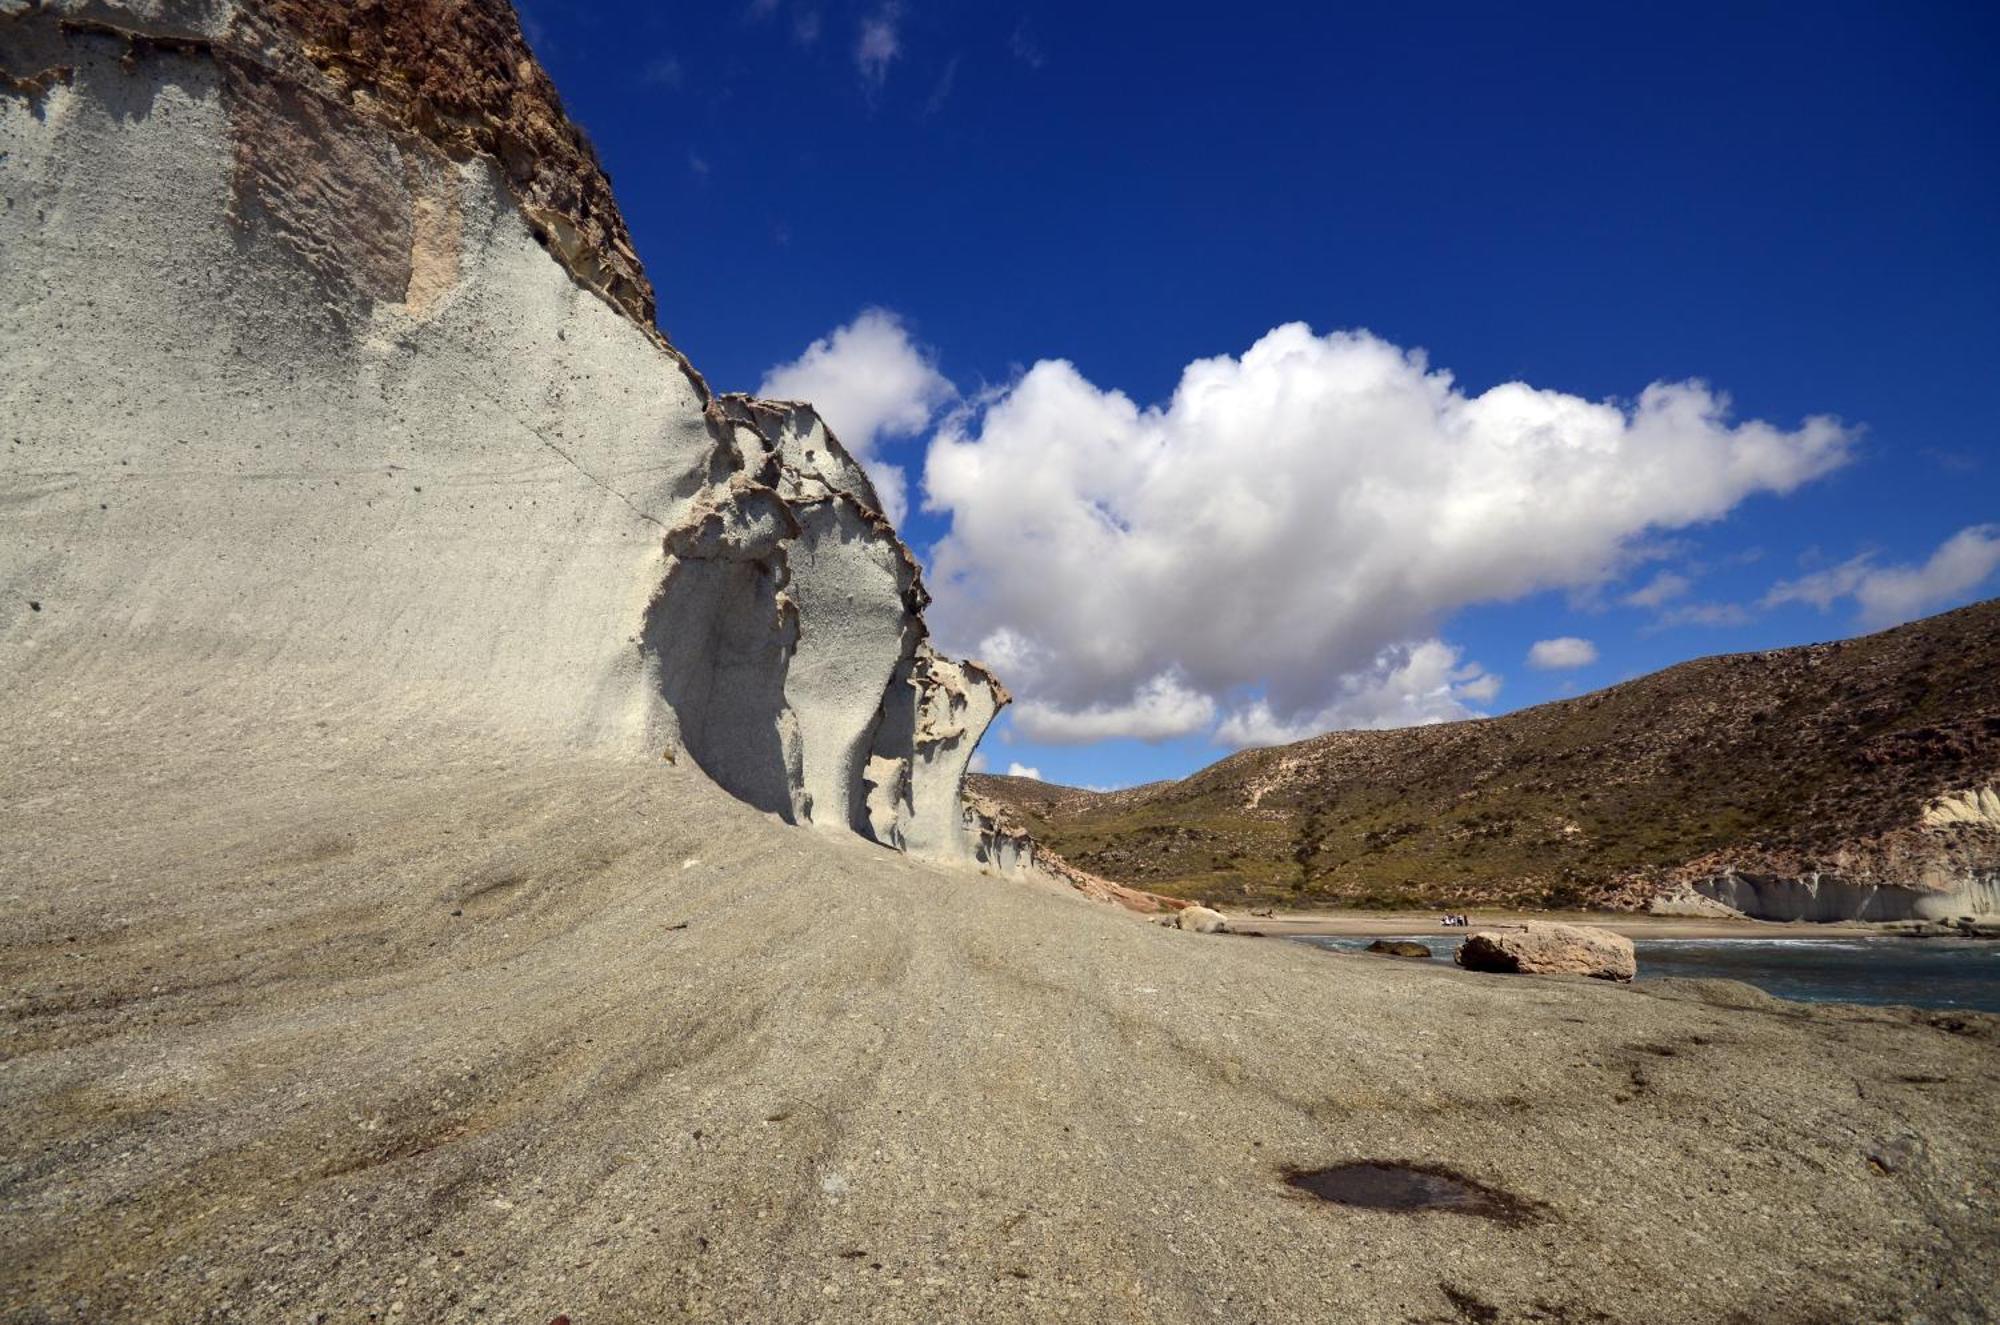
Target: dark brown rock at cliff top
<point>1779,765</point>
<point>458,74</point>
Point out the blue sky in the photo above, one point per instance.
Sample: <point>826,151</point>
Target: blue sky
<point>1796,208</point>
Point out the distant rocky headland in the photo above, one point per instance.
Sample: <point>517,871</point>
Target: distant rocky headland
<point>1854,780</point>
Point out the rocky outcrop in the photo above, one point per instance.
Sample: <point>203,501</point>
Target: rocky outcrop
<point>916,765</point>
<point>1814,896</point>
<point>1198,920</point>
<point>787,638</point>
<point>1960,927</point>
<point>1686,902</point>
<point>457,74</point>
<point>1105,890</point>
<point>1538,948</point>
<point>1400,948</point>
<point>997,844</point>
<point>1000,841</point>
<point>1943,865</point>
<point>332,374</point>
<point>1973,808</point>
<point>1833,897</point>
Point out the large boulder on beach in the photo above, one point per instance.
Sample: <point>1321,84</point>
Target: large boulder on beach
<point>1540,948</point>
<point>1200,920</point>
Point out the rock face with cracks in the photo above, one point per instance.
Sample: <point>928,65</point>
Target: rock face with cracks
<point>288,345</point>
<point>788,639</point>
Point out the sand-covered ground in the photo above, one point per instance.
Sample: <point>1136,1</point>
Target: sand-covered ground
<point>424,1031</point>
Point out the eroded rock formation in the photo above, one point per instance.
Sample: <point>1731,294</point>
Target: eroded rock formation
<point>1860,894</point>
<point>1539,948</point>
<point>787,638</point>
<point>330,368</point>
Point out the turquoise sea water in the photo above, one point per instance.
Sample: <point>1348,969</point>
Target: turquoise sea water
<point>1931,973</point>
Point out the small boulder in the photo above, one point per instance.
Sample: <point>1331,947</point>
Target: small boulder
<point>1199,920</point>
<point>1539,948</point>
<point>1400,948</point>
<point>1979,927</point>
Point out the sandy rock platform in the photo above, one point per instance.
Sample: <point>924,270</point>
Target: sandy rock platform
<point>493,1038</point>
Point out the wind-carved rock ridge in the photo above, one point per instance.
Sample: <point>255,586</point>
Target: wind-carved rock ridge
<point>362,305</point>
<point>787,638</point>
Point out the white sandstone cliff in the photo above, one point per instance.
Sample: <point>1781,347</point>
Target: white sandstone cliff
<point>341,389</point>
<point>1938,868</point>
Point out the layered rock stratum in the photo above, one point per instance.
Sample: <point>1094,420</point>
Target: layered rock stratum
<point>1845,781</point>
<point>411,668</point>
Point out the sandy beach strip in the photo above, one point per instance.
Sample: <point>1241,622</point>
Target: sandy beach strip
<point>1302,924</point>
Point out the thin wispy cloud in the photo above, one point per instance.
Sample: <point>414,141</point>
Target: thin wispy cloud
<point>664,71</point>
<point>1713,615</point>
<point>1025,48</point>
<point>534,30</point>
<point>941,93</point>
<point>1951,462</point>
<point>877,44</point>
<point>1663,588</point>
<point>1890,595</point>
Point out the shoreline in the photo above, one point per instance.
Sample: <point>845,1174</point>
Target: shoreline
<point>1381,924</point>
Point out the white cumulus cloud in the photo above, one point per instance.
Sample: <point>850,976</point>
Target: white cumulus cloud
<point>1021,770</point>
<point>1889,595</point>
<point>1289,515</point>
<point>868,381</point>
<point>1563,651</point>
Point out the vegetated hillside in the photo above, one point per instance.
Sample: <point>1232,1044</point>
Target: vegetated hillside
<point>1823,756</point>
